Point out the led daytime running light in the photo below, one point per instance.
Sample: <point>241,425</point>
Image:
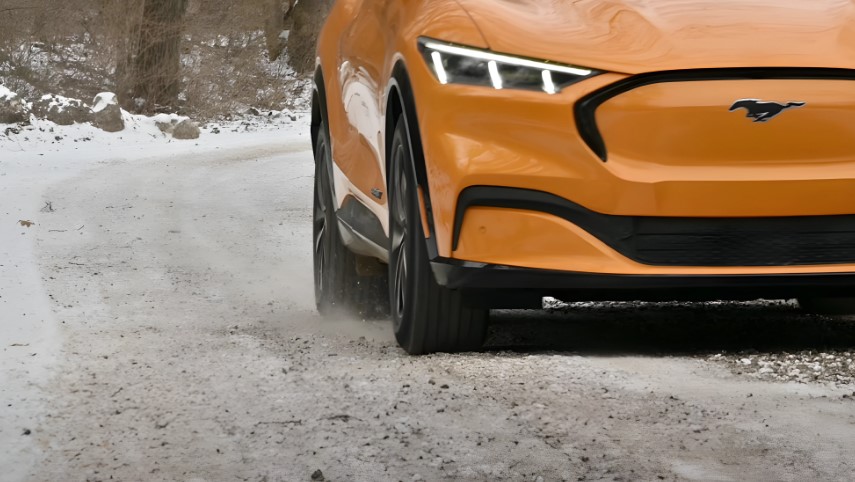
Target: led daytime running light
<point>441,74</point>
<point>495,76</point>
<point>548,84</point>
<point>506,59</point>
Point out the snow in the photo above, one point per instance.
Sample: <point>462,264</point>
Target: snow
<point>104,100</point>
<point>59,101</point>
<point>168,118</point>
<point>44,136</point>
<point>5,93</point>
<point>41,155</point>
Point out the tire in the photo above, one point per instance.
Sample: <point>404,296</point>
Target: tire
<point>427,317</point>
<point>828,306</point>
<point>341,288</point>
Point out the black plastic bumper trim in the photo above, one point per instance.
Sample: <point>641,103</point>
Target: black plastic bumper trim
<point>516,198</point>
<point>362,220</point>
<point>495,282</point>
<point>456,274</point>
<point>684,241</point>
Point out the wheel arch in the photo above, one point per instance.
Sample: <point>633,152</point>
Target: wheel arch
<point>319,109</point>
<point>320,118</point>
<point>400,102</point>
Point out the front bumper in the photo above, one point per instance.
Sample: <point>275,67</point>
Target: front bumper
<point>675,150</point>
<point>652,241</point>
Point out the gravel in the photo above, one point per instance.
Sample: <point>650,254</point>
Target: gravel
<point>806,366</point>
<point>770,340</point>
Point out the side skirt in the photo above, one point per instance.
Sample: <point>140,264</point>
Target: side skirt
<point>361,231</point>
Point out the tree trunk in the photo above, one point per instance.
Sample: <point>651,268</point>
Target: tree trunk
<point>274,15</point>
<point>122,20</point>
<point>305,21</point>
<point>157,63</point>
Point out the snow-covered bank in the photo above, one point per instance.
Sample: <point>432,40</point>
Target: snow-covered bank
<point>41,155</point>
<point>42,135</point>
<point>60,121</point>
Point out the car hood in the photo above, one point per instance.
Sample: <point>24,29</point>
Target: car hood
<point>635,36</point>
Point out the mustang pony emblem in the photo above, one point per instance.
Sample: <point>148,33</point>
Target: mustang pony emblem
<point>762,111</point>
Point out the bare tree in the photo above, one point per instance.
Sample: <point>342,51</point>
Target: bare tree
<point>223,56</point>
<point>304,21</point>
<point>275,13</point>
<point>156,64</point>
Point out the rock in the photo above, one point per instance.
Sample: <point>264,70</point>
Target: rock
<point>288,115</point>
<point>109,119</point>
<point>62,110</point>
<point>186,129</point>
<point>12,112</point>
<point>12,109</point>
<point>107,115</point>
<point>166,127</point>
<point>318,476</point>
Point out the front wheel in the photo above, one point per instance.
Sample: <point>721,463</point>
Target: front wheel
<point>427,317</point>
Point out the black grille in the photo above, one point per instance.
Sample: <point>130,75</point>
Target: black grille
<point>741,242</point>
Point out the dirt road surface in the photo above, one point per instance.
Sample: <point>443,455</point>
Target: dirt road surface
<point>187,348</point>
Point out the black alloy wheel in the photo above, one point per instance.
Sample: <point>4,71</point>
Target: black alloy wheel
<point>427,317</point>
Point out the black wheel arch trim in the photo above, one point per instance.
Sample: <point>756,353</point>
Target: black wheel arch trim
<point>585,109</point>
<point>400,85</point>
<point>319,107</point>
<point>320,114</point>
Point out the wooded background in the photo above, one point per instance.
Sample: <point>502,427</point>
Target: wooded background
<point>204,57</point>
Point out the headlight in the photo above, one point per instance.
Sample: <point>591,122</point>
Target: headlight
<point>454,64</point>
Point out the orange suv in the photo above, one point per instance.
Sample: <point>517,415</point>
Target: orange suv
<point>476,154</point>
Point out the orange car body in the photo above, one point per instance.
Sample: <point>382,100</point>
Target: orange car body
<point>649,168</point>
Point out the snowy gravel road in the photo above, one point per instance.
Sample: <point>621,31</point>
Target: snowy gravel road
<point>188,349</point>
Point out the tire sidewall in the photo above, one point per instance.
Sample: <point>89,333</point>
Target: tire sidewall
<point>414,237</point>
<point>325,296</point>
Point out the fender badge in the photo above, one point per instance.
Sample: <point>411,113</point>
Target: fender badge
<point>762,111</point>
